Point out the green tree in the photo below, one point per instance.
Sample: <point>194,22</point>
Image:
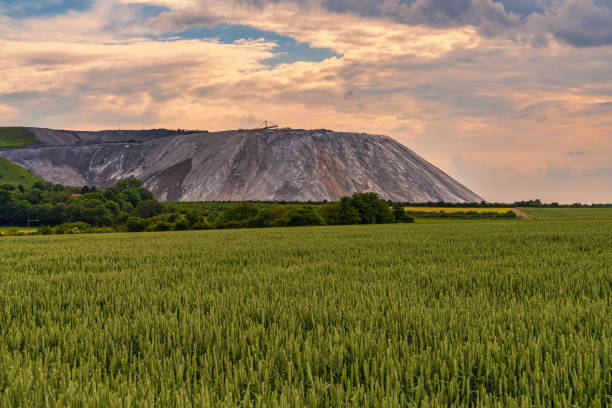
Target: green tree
<point>237,215</point>
<point>304,216</point>
<point>399,213</point>
<point>127,184</point>
<point>136,224</point>
<point>149,209</point>
<point>273,216</point>
<point>348,214</point>
<point>372,209</point>
<point>330,213</point>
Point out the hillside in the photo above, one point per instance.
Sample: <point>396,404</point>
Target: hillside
<point>15,175</point>
<point>16,136</point>
<point>284,164</point>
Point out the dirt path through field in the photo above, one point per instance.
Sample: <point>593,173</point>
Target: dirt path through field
<point>522,215</point>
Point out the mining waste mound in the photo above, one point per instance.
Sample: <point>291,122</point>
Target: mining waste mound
<point>265,164</point>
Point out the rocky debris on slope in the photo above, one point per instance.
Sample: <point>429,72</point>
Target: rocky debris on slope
<point>284,165</point>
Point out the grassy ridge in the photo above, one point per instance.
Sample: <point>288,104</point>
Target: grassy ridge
<point>474,314</point>
<point>13,174</point>
<point>15,137</point>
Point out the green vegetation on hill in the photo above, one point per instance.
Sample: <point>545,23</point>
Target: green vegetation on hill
<point>439,315</point>
<point>128,206</point>
<point>16,136</point>
<point>15,175</point>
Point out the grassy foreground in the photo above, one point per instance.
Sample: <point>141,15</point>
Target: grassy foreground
<point>471,314</point>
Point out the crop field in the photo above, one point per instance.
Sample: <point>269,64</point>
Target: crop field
<point>458,209</point>
<point>504,314</point>
<point>458,213</point>
<point>24,230</point>
<point>569,213</point>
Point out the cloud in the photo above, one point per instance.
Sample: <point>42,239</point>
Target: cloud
<point>436,80</point>
<point>549,183</point>
<point>569,173</point>
<point>580,23</point>
<point>7,113</point>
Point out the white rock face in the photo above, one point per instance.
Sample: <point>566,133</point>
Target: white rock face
<point>284,164</point>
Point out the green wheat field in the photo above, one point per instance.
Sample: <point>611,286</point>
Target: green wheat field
<point>499,314</point>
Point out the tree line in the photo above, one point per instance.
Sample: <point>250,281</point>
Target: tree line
<point>129,206</point>
<point>537,203</point>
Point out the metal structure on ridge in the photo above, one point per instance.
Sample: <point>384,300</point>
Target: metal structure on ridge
<point>266,125</point>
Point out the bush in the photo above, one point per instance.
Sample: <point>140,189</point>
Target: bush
<point>237,216</point>
<point>330,213</point>
<point>201,226</point>
<point>45,230</point>
<point>400,215</point>
<point>348,214</point>
<point>302,216</point>
<point>181,225</point>
<point>270,217</point>
<point>162,226</point>
<point>72,228</point>
<point>149,209</point>
<point>136,224</point>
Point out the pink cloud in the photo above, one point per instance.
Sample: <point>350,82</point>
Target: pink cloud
<point>507,110</point>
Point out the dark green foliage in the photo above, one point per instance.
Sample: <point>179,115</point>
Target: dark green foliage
<point>237,216</point>
<point>45,230</point>
<point>89,210</point>
<point>364,208</point>
<point>136,224</point>
<point>192,218</point>
<point>302,216</point>
<point>182,225</point>
<point>162,226</point>
<point>127,184</point>
<point>399,213</point>
<point>55,204</point>
<point>149,209</point>
<point>128,206</point>
<point>348,214</point>
<point>330,213</point>
<point>274,216</point>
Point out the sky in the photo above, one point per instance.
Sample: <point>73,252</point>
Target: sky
<point>511,97</point>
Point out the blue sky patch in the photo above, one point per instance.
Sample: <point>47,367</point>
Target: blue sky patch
<point>288,49</point>
<point>39,8</point>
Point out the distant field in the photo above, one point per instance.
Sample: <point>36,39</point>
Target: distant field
<point>453,209</point>
<point>19,229</point>
<point>495,314</point>
<point>569,213</point>
<point>451,213</point>
<point>16,136</point>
